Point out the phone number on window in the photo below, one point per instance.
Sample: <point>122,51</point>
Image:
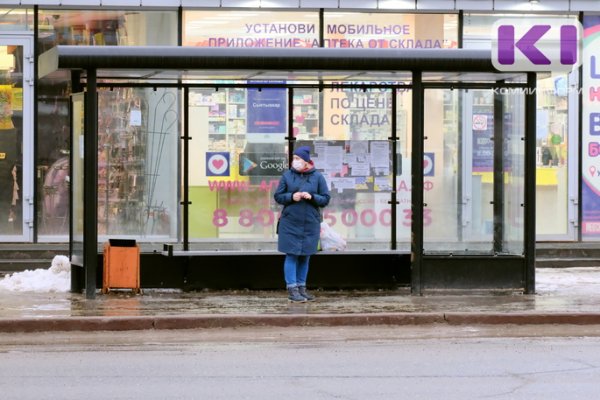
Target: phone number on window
<point>350,218</point>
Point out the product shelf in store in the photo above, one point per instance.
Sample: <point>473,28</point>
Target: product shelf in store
<point>306,113</point>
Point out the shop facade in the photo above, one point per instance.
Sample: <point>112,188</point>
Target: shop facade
<point>239,143</point>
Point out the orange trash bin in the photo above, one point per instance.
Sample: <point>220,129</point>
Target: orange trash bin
<point>121,265</point>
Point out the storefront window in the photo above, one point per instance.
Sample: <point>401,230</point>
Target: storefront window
<point>107,28</point>
<point>16,19</point>
<point>552,140</point>
<point>387,30</point>
<point>555,172</point>
<point>252,28</point>
<point>81,27</point>
<point>11,139</point>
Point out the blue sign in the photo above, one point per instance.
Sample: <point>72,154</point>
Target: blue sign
<point>267,110</point>
<point>217,164</point>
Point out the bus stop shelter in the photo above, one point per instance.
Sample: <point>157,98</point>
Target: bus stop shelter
<point>438,255</point>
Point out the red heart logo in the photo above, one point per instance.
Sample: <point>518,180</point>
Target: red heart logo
<point>217,163</point>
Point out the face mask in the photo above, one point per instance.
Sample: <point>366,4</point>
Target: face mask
<point>298,164</point>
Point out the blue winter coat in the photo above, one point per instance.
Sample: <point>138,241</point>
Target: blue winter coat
<point>300,223</point>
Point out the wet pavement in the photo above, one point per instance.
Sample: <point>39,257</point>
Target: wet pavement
<point>558,290</point>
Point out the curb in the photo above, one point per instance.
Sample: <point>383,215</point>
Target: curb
<point>522,318</point>
<point>207,321</point>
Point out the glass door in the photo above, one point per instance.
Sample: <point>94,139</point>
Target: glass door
<point>16,139</point>
<point>556,156</point>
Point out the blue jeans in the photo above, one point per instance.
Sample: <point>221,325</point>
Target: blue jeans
<point>295,270</point>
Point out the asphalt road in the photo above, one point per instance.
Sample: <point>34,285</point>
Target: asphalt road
<point>499,362</point>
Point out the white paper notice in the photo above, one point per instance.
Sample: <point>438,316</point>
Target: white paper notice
<point>380,156</point>
<point>360,169</point>
<point>357,147</point>
<point>320,146</point>
<point>382,183</point>
<point>334,158</point>
<point>342,183</point>
<point>135,117</point>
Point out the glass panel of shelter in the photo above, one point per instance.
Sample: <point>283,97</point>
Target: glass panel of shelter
<point>460,184</point>
<point>235,164</point>
<point>514,172</point>
<point>354,153</point>
<point>138,131</point>
<point>403,168</point>
<point>240,153</point>
<point>77,124</point>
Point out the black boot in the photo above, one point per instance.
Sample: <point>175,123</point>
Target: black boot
<point>305,294</point>
<point>294,295</point>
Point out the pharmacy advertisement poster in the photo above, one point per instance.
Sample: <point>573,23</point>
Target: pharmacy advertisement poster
<point>267,112</point>
<point>590,173</point>
<point>483,145</point>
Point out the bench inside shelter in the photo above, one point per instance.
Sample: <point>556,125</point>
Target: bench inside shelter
<point>263,269</point>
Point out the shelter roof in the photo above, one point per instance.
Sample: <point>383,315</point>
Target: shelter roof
<point>176,62</point>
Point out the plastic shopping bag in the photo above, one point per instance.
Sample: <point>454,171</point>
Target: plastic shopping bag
<point>330,239</point>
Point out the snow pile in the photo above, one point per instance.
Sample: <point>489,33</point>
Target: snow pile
<point>55,279</point>
<point>568,281</point>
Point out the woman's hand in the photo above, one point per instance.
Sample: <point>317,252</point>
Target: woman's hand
<point>301,195</point>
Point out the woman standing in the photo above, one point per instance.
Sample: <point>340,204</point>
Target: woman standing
<point>302,191</point>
